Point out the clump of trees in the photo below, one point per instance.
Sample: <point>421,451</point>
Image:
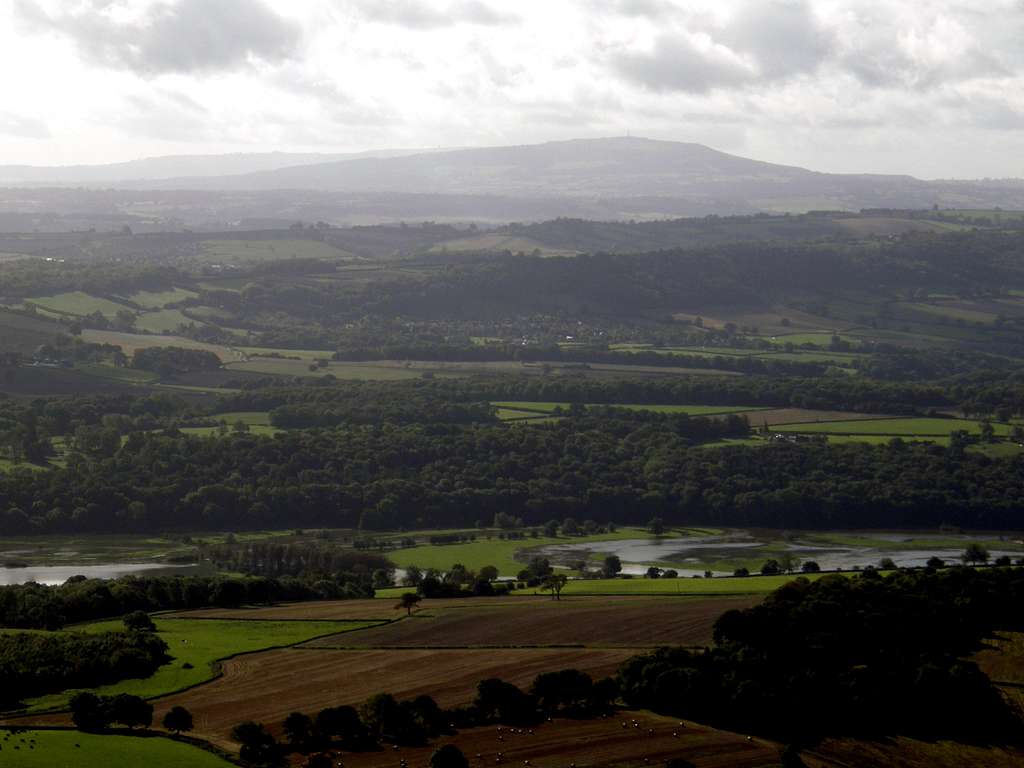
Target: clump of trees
<point>36,664</point>
<point>887,654</point>
<point>167,361</point>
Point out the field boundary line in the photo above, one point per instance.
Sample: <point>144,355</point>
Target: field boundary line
<point>217,665</point>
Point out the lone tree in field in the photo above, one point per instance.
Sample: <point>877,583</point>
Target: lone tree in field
<point>656,526</point>
<point>409,600</point>
<point>88,713</point>
<point>178,719</point>
<point>974,554</point>
<point>139,621</point>
<point>448,756</point>
<point>554,583</point>
<point>488,573</point>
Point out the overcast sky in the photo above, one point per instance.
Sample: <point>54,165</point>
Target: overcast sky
<point>929,87</point>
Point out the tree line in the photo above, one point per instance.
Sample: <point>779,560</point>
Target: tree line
<point>36,664</point>
<point>39,606</point>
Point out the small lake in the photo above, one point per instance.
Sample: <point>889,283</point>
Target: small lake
<point>58,574</point>
<point>701,552</point>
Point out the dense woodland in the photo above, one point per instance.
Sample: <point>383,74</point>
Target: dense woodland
<point>37,606</point>
<point>605,464</point>
<point>36,664</point>
<point>865,656</point>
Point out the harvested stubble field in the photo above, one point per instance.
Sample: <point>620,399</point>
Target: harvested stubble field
<point>595,622</point>
<point>267,686</point>
<point>602,742</point>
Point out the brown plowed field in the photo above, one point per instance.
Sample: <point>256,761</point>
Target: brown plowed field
<point>329,610</point>
<point>637,623</point>
<point>268,686</point>
<point>592,743</point>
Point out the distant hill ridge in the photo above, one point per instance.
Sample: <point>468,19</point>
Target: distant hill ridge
<point>602,178</point>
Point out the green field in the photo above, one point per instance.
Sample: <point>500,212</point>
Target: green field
<point>901,427</point>
<point>160,299</point>
<point>257,421</point>
<point>226,252</point>
<point>818,339</point>
<point>201,643</point>
<point>129,342</point>
<point>692,410</point>
<point>75,749</point>
<point>497,552</point>
<point>163,321</point>
<point>953,313</point>
<point>105,371</point>
<point>78,304</point>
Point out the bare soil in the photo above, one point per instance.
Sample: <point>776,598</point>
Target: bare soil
<point>637,623</point>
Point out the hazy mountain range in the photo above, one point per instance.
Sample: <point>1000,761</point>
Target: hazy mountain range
<point>615,178</point>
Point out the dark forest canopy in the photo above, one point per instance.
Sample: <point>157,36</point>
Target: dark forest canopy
<point>866,656</point>
<point>603,464</point>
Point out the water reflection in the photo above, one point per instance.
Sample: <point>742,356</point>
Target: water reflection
<point>58,574</point>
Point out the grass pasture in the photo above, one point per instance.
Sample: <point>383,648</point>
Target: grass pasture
<point>74,749</point>
<point>901,427</point>
<point>160,299</point>
<point>501,553</point>
<point>200,643</point>
<point>77,304</point>
<point>130,342</point>
<point>524,407</point>
<point>234,252</point>
<point>20,333</point>
<point>163,321</point>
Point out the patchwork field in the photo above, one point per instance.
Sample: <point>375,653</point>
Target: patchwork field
<point>74,749</point>
<point>226,252</point>
<point>77,303</point>
<point>130,342</point>
<point>199,645</point>
<point>163,321</point>
<point>160,299</point>
<point>501,553</point>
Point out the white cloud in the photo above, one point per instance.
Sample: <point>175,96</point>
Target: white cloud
<point>183,36</point>
<point>877,85</point>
